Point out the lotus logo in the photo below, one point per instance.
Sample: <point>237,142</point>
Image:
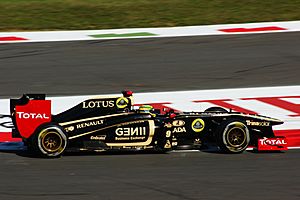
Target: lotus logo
<point>122,102</point>
<point>198,125</point>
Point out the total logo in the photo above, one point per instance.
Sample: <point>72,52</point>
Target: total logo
<point>24,115</point>
<point>272,141</point>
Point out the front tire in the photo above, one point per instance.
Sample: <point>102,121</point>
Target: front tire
<point>233,136</point>
<point>50,141</point>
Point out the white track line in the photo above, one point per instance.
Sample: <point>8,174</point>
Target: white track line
<point>247,28</point>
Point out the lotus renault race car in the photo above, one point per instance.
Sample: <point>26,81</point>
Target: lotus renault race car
<point>112,123</point>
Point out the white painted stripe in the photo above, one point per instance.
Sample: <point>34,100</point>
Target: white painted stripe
<point>184,101</point>
<point>48,36</point>
<point>293,147</point>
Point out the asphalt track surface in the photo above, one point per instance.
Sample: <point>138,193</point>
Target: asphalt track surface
<point>144,65</point>
<point>95,67</point>
<point>178,176</point>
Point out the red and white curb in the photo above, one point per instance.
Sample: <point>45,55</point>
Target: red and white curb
<point>278,102</point>
<point>223,29</point>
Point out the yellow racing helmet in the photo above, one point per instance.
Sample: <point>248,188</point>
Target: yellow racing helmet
<point>145,109</point>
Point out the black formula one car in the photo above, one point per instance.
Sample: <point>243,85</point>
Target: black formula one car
<point>111,123</point>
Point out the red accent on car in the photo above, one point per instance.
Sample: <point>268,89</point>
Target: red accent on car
<point>293,136</point>
<point>32,115</point>
<point>272,144</point>
<point>7,137</point>
<point>12,38</point>
<point>127,93</point>
<point>172,115</point>
<point>258,29</point>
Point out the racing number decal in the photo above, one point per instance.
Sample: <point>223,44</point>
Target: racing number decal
<point>198,125</point>
<point>168,134</point>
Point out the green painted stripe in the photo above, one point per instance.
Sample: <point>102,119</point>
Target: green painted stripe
<point>109,35</point>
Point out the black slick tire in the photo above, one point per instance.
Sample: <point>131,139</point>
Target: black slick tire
<point>232,136</point>
<point>49,141</point>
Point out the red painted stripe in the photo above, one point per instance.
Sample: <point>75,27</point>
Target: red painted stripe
<point>7,137</point>
<point>293,136</point>
<point>258,29</point>
<point>12,38</point>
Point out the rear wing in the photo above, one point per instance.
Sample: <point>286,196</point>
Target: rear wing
<point>28,113</point>
<point>32,110</point>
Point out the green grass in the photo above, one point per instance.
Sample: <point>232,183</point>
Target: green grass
<point>103,14</point>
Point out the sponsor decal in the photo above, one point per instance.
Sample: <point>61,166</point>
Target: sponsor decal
<point>168,125</point>
<point>69,129</point>
<point>88,124</point>
<point>197,141</point>
<point>130,133</point>
<point>251,123</point>
<point>32,115</point>
<point>277,143</point>
<point>174,143</point>
<point>168,144</point>
<point>122,102</point>
<point>25,115</point>
<point>272,141</point>
<point>98,137</point>
<point>179,130</point>
<point>98,104</point>
<point>198,125</point>
<point>178,123</point>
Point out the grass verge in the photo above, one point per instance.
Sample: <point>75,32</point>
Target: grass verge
<point>22,15</point>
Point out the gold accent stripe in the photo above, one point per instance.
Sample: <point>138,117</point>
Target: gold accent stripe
<point>87,133</point>
<point>92,118</point>
<point>149,140</point>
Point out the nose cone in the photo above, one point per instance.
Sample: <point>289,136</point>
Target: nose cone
<point>276,122</point>
<point>273,121</point>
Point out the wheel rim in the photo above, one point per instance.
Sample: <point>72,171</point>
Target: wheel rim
<point>236,137</point>
<point>52,141</point>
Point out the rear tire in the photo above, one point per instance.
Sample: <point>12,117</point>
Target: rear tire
<point>50,141</point>
<point>233,136</point>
